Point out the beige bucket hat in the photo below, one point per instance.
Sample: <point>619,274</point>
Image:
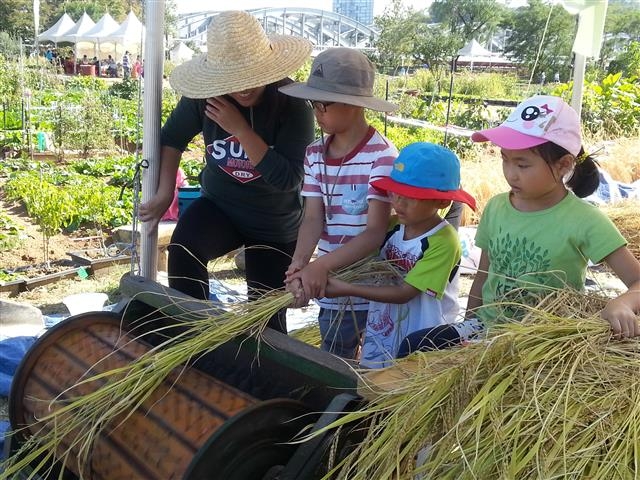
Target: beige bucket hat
<point>240,55</point>
<point>342,75</point>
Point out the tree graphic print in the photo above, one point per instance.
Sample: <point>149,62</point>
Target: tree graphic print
<point>521,265</point>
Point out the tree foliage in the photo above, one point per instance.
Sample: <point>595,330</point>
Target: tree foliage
<point>622,26</point>
<point>16,16</point>
<point>628,62</point>
<point>468,19</point>
<point>539,46</point>
<point>397,26</point>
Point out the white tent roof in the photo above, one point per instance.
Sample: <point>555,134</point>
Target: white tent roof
<point>474,49</point>
<point>130,31</point>
<point>79,29</point>
<point>181,52</point>
<point>105,26</point>
<point>62,26</point>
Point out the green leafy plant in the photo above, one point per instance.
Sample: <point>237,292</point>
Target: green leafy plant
<point>610,108</point>
<point>50,208</point>
<point>10,233</point>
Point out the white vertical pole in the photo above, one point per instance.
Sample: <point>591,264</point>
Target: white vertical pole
<point>152,105</point>
<point>579,67</point>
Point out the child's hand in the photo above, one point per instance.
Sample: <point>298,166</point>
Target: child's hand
<point>623,320</point>
<point>293,284</point>
<point>336,288</point>
<point>314,279</point>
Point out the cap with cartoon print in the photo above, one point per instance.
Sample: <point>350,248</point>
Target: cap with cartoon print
<point>537,120</point>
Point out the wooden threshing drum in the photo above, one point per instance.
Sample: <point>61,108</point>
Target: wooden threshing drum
<point>177,433</point>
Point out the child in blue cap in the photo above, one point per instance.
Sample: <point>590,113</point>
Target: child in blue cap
<point>425,179</point>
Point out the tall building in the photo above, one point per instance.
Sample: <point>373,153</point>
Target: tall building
<point>359,10</point>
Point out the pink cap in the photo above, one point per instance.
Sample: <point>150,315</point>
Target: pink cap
<point>535,121</point>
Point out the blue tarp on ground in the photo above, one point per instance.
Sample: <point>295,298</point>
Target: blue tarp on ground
<point>12,350</point>
<point>4,426</point>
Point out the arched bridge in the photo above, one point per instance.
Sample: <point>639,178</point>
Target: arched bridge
<point>324,29</point>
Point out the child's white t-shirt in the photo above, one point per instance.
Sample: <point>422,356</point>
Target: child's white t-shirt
<point>430,263</point>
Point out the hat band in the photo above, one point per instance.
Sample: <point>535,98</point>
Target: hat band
<point>333,87</point>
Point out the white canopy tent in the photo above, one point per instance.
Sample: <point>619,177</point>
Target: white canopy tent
<point>105,26</point>
<point>75,34</point>
<point>61,27</point>
<point>129,34</point>
<point>181,52</point>
<point>474,52</point>
<point>83,25</point>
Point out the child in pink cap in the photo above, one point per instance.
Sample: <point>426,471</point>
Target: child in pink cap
<point>540,235</point>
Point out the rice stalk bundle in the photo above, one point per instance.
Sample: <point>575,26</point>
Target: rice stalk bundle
<point>625,216</point>
<point>71,429</point>
<point>551,397</point>
<point>309,334</point>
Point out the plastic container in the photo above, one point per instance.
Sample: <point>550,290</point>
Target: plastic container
<point>85,302</point>
<point>186,195</point>
<point>42,141</point>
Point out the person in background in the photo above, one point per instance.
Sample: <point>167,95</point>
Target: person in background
<point>423,246</point>
<point>126,65</point>
<point>112,68</point>
<point>345,217</point>
<point>540,236</point>
<point>255,139</point>
<point>136,71</point>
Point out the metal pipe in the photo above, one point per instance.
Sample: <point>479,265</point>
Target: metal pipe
<point>446,122</point>
<point>152,101</point>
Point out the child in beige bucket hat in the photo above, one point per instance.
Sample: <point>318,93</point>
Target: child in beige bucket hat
<point>344,215</point>
<point>255,139</point>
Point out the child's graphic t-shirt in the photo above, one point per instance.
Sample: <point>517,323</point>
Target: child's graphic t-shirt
<point>533,252</point>
<point>429,263</point>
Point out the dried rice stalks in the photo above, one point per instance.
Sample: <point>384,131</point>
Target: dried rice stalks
<point>309,334</point>
<point>550,397</point>
<point>625,216</point>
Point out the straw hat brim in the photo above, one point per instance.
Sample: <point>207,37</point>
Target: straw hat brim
<point>197,79</point>
<point>302,90</point>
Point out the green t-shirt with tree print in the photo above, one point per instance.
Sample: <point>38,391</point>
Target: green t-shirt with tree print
<point>531,253</point>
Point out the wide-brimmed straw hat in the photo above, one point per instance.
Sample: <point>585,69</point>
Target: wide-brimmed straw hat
<point>342,75</point>
<point>240,56</point>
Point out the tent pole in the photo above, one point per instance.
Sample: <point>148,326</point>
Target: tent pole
<point>152,101</point>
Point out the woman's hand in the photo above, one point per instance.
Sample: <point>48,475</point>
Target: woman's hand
<point>225,114</point>
<point>153,210</point>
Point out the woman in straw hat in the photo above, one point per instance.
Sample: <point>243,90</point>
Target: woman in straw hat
<point>255,139</point>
